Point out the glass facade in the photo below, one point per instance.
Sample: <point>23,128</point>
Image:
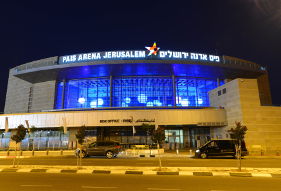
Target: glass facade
<point>193,91</point>
<point>174,139</point>
<point>142,91</point>
<point>47,139</point>
<point>137,91</point>
<point>4,140</point>
<point>84,93</point>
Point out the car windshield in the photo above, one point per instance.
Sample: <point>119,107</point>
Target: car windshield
<point>92,144</point>
<point>206,144</point>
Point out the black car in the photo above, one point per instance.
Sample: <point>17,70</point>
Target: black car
<point>109,149</point>
<point>220,147</point>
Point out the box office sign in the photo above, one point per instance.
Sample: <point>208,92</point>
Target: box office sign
<point>129,121</point>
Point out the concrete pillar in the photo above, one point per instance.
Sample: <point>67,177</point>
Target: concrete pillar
<point>111,91</point>
<point>186,141</point>
<point>174,90</point>
<point>218,82</point>
<point>72,142</point>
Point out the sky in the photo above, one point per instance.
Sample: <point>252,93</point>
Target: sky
<point>247,29</point>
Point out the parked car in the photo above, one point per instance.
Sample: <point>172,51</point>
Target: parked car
<point>220,147</point>
<point>109,149</point>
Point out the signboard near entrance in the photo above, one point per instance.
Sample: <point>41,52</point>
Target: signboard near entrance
<point>127,121</point>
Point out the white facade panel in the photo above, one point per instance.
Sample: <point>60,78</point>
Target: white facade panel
<point>117,117</point>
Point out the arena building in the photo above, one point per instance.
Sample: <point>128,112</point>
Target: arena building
<point>195,97</point>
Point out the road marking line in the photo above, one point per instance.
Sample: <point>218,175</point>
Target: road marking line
<point>164,189</point>
<point>34,185</point>
<point>98,187</point>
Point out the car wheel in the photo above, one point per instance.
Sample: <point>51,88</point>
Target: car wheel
<point>109,154</point>
<point>203,156</point>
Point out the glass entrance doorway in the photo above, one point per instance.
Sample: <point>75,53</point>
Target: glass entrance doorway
<point>199,136</point>
<point>174,139</point>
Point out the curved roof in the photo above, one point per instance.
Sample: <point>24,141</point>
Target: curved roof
<point>102,63</point>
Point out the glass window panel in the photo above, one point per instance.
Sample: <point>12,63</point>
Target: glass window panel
<point>87,93</point>
<point>142,91</point>
<point>60,86</point>
<point>193,91</point>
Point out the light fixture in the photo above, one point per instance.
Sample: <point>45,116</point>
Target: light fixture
<point>81,100</point>
<point>100,101</point>
<point>93,104</point>
<point>142,98</point>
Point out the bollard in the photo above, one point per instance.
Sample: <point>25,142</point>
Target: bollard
<point>190,152</point>
<point>177,151</point>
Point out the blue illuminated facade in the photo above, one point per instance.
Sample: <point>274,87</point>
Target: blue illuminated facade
<point>134,91</point>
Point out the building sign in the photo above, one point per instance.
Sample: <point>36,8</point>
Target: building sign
<point>127,121</point>
<point>152,53</point>
<point>153,49</point>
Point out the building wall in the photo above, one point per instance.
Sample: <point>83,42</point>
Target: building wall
<point>23,96</point>
<point>242,103</point>
<point>43,96</point>
<point>208,117</point>
<point>17,95</point>
<point>264,89</point>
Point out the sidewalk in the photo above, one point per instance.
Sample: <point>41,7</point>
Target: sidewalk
<point>186,171</point>
<point>166,154</point>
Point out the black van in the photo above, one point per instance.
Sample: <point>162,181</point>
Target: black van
<point>220,147</point>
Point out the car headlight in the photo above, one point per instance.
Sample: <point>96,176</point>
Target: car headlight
<point>197,151</point>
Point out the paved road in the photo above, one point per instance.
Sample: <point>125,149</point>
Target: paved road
<point>77,182</point>
<point>169,162</point>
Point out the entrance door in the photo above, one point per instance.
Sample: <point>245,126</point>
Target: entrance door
<point>198,136</point>
<point>174,139</point>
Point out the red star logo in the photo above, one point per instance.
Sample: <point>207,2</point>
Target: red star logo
<point>153,49</point>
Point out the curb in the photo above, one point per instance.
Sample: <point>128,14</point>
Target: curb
<point>138,172</point>
<point>202,174</point>
<point>10,157</point>
<point>165,155</point>
<point>134,156</point>
<point>240,174</point>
